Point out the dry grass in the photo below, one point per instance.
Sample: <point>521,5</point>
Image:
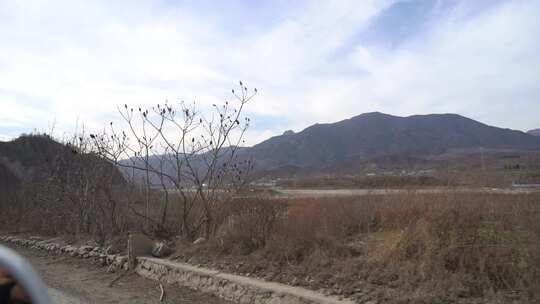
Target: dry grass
<point>452,244</point>
<point>413,246</point>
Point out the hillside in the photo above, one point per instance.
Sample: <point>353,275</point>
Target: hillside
<point>535,132</point>
<point>8,180</point>
<point>375,135</point>
<point>342,147</point>
<point>382,140</point>
<point>34,158</point>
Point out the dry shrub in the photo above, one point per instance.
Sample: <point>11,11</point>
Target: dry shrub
<point>465,243</point>
<point>488,242</point>
<point>313,232</point>
<point>422,246</point>
<point>246,225</point>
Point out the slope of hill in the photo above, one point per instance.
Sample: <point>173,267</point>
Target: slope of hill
<point>8,180</point>
<point>373,135</point>
<point>33,158</point>
<point>535,132</point>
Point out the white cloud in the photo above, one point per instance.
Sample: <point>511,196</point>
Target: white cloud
<point>484,67</point>
<point>84,59</point>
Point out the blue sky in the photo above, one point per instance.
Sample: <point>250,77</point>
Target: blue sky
<point>313,61</point>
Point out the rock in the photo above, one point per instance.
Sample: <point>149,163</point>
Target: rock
<point>138,245</point>
<point>199,241</point>
<point>86,248</point>
<point>160,249</point>
<point>113,249</point>
<point>92,243</point>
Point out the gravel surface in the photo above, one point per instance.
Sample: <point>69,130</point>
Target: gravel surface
<point>73,280</point>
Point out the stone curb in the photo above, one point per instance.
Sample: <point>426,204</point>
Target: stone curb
<point>57,247</point>
<point>231,287</point>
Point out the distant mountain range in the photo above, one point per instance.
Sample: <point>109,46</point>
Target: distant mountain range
<point>378,135</point>
<point>535,132</point>
<point>28,158</point>
<point>377,138</point>
<point>341,147</point>
<point>35,158</point>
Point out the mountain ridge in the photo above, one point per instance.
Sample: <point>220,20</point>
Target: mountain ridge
<point>534,132</point>
<point>376,134</point>
<point>343,146</point>
<point>36,158</point>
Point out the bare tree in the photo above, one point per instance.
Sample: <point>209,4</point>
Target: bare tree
<point>186,154</point>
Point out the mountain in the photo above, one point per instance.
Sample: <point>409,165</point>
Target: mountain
<point>8,180</point>
<point>378,140</point>
<point>370,139</point>
<point>35,158</point>
<point>375,135</point>
<point>535,132</point>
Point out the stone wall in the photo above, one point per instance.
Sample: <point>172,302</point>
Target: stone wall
<point>59,247</point>
<point>232,287</point>
<point>228,286</point>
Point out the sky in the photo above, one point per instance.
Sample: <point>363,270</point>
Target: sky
<point>70,63</point>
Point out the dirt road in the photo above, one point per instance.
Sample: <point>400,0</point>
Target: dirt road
<point>361,192</point>
<point>74,281</point>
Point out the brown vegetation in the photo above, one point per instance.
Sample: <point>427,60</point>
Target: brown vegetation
<point>356,182</point>
<point>413,246</point>
<point>65,189</point>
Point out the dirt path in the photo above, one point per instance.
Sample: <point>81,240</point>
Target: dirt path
<point>362,192</point>
<point>74,280</point>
